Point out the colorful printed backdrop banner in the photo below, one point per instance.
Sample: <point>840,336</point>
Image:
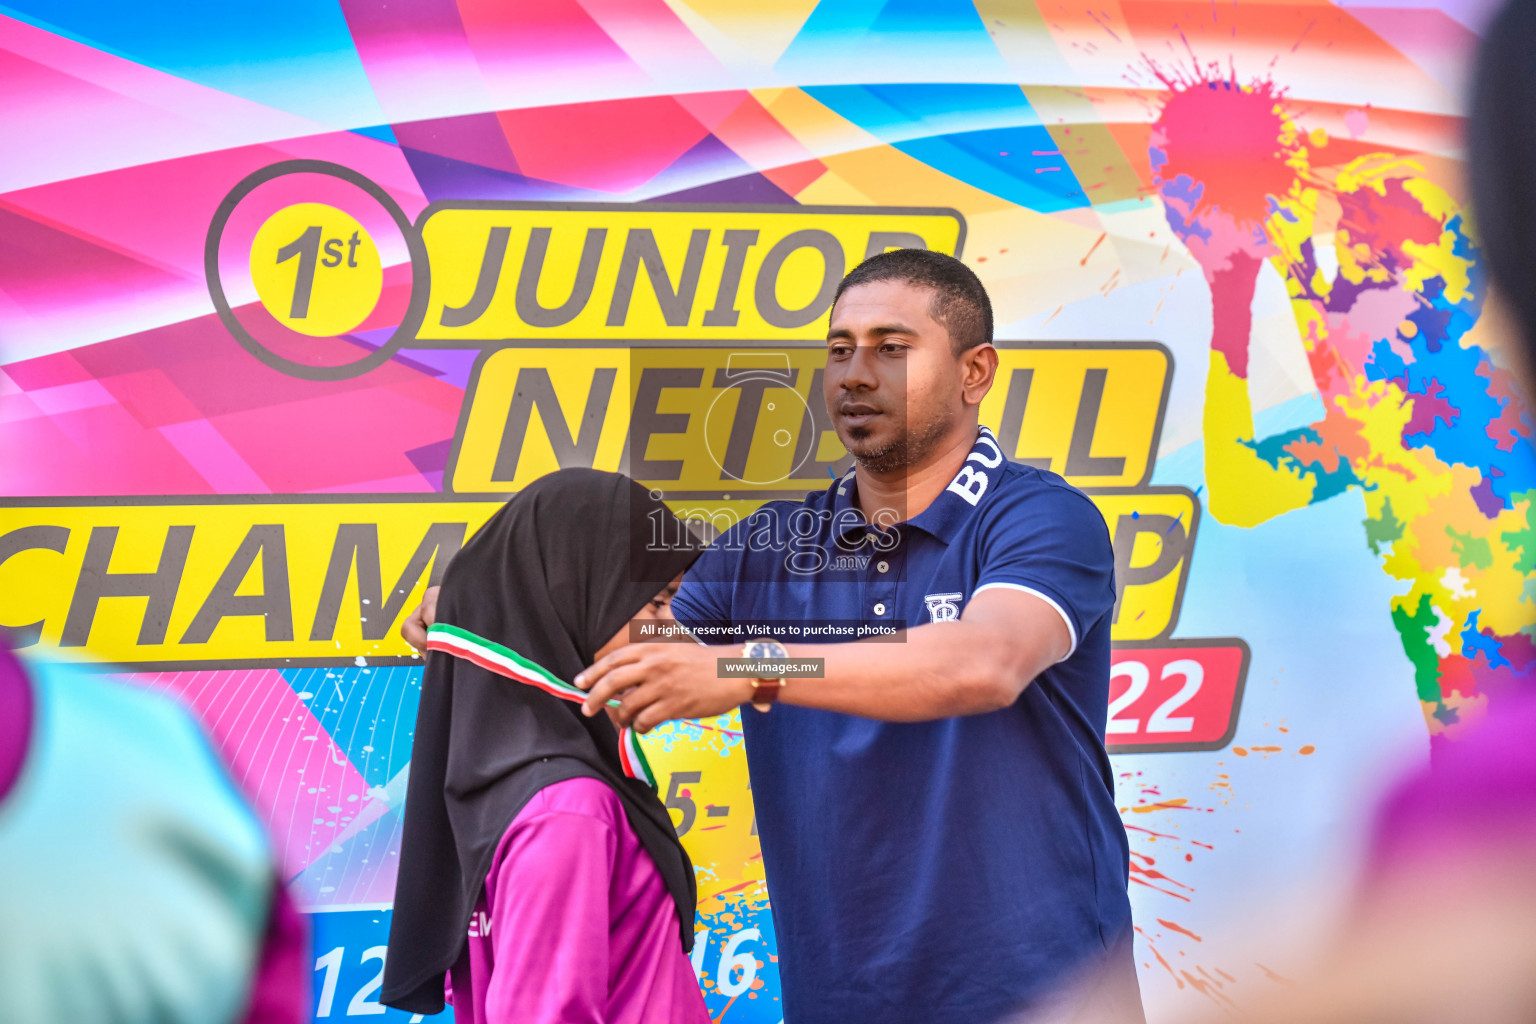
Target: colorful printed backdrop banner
<point>292,294</point>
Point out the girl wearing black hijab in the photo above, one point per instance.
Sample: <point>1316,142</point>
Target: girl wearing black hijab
<point>538,867</point>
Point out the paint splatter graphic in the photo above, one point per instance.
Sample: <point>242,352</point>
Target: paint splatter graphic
<point>703,774</point>
<point>1161,830</point>
<point>1386,285</point>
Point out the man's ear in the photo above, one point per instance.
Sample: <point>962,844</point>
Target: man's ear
<point>978,371</point>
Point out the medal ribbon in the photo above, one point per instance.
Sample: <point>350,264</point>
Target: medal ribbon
<point>504,661</point>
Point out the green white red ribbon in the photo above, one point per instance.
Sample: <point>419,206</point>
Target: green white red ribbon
<point>504,661</point>
<point>632,756</point>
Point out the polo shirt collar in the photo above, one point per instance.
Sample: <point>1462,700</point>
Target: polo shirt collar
<point>957,502</point>
<point>949,511</point>
<point>847,518</point>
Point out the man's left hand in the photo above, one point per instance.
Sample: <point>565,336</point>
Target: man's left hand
<point>657,683</point>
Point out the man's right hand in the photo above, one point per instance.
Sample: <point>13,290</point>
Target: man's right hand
<point>414,629</point>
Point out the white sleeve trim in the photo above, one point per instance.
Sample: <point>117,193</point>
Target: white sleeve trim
<point>1048,599</point>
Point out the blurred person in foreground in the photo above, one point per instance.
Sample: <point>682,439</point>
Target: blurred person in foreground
<point>140,887</point>
<point>538,868</point>
<point>1442,927</point>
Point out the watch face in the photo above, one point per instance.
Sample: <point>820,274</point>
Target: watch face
<point>762,649</point>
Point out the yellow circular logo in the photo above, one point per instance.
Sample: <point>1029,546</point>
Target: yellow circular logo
<point>316,270</point>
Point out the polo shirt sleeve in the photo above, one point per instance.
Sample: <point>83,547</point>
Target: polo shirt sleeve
<point>1051,542</point>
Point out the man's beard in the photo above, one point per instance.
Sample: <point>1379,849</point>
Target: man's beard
<point>905,449</point>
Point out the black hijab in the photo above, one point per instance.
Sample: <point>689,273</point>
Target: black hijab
<point>553,575</point>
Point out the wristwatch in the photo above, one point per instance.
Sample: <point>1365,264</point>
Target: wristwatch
<point>765,690</point>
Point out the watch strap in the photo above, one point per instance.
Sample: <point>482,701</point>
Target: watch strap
<point>765,690</point>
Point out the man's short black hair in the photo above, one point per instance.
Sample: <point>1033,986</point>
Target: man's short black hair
<point>960,302</point>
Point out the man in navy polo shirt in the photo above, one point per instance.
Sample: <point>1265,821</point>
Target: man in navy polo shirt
<point>937,814</point>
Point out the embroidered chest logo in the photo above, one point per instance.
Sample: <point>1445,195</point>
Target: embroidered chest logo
<point>943,607</point>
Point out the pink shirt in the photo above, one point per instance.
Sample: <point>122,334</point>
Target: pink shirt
<point>1479,792</point>
<point>575,925</point>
